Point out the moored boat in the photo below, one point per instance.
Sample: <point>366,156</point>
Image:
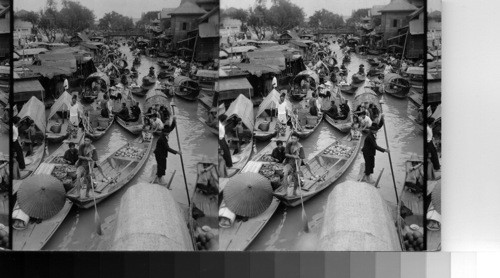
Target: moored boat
<point>186,88</point>
<point>119,168</point>
<point>96,126</point>
<point>95,83</point>
<point>58,122</point>
<point>297,91</point>
<point>395,85</point>
<point>266,118</point>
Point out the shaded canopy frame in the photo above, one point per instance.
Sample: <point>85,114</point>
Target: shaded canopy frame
<point>154,97</point>
<point>62,103</point>
<point>242,107</point>
<point>272,101</point>
<point>305,74</point>
<point>34,109</point>
<point>97,76</point>
<point>366,96</point>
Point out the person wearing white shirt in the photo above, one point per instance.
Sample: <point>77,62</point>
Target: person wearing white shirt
<point>226,153</point>
<point>18,150</point>
<point>74,112</point>
<point>365,121</point>
<point>66,84</point>
<point>275,82</point>
<point>156,123</point>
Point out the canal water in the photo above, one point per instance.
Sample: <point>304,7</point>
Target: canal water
<point>78,231</point>
<point>285,230</point>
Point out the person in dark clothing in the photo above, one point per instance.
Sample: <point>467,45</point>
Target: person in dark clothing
<point>344,110</point>
<point>279,152</point>
<point>71,155</point>
<point>136,112</point>
<point>313,108</point>
<point>431,147</point>
<point>161,154</point>
<point>164,114</point>
<point>294,153</point>
<point>124,113</point>
<point>15,143</point>
<point>169,127</point>
<point>226,153</point>
<point>104,107</point>
<point>369,149</point>
<point>334,112</point>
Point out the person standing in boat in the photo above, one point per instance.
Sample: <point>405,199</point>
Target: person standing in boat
<point>431,147</point>
<point>87,157</point>
<point>161,155</point>
<point>275,82</point>
<point>282,114</point>
<point>369,149</point>
<point>223,143</point>
<point>74,113</point>
<point>18,150</point>
<point>294,153</point>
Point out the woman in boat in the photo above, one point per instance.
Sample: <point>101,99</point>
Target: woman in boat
<point>18,150</point>
<point>355,128</point>
<point>279,152</point>
<point>223,143</point>
<point>294,153</point>
<point>124,113</point>
<point>104,107</point>
<point>313,105</point>
<point>344,110</point>
<point>71,154</point>
<point>135,111</point>
<point>369,149</point>
<point>161,154</point>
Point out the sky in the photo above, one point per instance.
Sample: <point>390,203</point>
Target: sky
<point>434,5</point>
<point>343,7</point>
<point>132,8</point>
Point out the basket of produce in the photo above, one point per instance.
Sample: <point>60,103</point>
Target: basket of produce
<point>413,238</point>
<point>267,170</point>
<point>59,160</point>
<point>59,173</point>
<point>71,172</point>
<point>275,181</point>
<point>56,128</point>
<point>264,126</point>
<point>130,152</point>
<point>339,150</point>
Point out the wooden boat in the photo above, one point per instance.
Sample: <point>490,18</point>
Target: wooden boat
<point>212,129</point>
<point>242,108</point>
<point>410,209</point>
<point>36,235</point>
<point>88,95</point>
<point>343,126</point>
<point>96,129</point>
<point>138,91</point>
<point>208,203</point>
<point>57,121</point>
<point>395,85</point>
<point>303,129</point>
<point>163,74</point>
<point>267,117</point>
<point>186,88</point>
<point>241,234</point>
<point>148,82</point>
<point>33,110</point>
<point>207,79</point>
<point>297,93</point>
<point>373,226</point>
<point>347,89</point>
<point>132,127</point>
<point>118,171</point>
<point>346,59</point>
<point>358,78</point>
<point>374,62</point>
<point>137,61</point>
<point>322,170</point>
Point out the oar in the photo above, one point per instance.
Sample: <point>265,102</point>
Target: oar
<point>390,159</point>
<point>182,161</point>
<point>304,216</point>
<point>171,179</point>
<point>97,218</point>
<point>378,179</point>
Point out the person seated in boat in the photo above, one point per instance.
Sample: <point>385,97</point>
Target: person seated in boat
<point>156,123</point>
<point>238,131</point>
<point>147,135</point>
<point>124,113</point>
<point>71,154</point>
<point>87,157</point>
<point>294,153</point>
<point>374,112</point>
<point>365,121</point>
<point>135,112</point>
<point>133,69</point>
<point>222,168</point>
<point>32,136</point>
<point>344,110</point>
<point>361,70</point>
<point>333,112</point>
<point>279,152</point>
<point>151,72</point>
<point>104,107</point>
<point>355,128</point>
<point>313,107</point>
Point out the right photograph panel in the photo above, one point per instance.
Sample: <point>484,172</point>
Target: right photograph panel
<point>321,125</point>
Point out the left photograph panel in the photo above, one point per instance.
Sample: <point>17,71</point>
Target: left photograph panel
<point>114,105</point>
<point>5,39</point>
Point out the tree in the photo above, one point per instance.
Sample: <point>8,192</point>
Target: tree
<point>115,21</point>
<point>28,16</point>
<point>239,14</point>
<point>324,18</point>
<point>356,17</point>
<point>75,18</point>
<point>256,21</point>
<point>284,15</point>
<point>49,20</point>
<point>147,18</point>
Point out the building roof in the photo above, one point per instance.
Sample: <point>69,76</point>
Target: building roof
<point>209,14</point>
<point>188,8</point>
<point>375,10</point>
<point>398,6</point>
<point>416,13</point>
<point>165,12</point>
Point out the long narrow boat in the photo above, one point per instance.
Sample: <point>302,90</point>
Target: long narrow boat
<point>37,234</point>
<point>119,168</point>
<point>206,202</point>
<point>303,131</point>
<point>186,88</point>
<point>299,93</point>
<point>344,125</point>
<point>34,110</point>
<point>265,119</point>
<point>241,108</point>
<point>134,127</point>
<point>98,131</point>
<point>410,209</point>
<point>322,170</point>
<point>395,85</point>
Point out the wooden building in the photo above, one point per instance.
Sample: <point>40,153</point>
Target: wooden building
<point>395,16</point>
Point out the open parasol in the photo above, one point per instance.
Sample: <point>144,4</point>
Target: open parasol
<point>436,197</point>
<point>41,196</point>
<point>248,194</point>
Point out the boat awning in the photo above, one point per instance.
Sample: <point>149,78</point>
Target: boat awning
<point>374,228</point>
<point>62,103</point>
<point>272,58</point>
<point>207,73</point>
<point>179,80</point>
<point>272,100</point>
<point>243,108</point>
<point>24,89</point>
<point>35,110</point>
<point>230,88</point>
<point>97,76</point>
<point>392,77</point>
<point>415,70</point>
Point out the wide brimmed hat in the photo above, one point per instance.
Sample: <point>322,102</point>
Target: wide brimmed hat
<point>41,196</point>
<point>248,194</point>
